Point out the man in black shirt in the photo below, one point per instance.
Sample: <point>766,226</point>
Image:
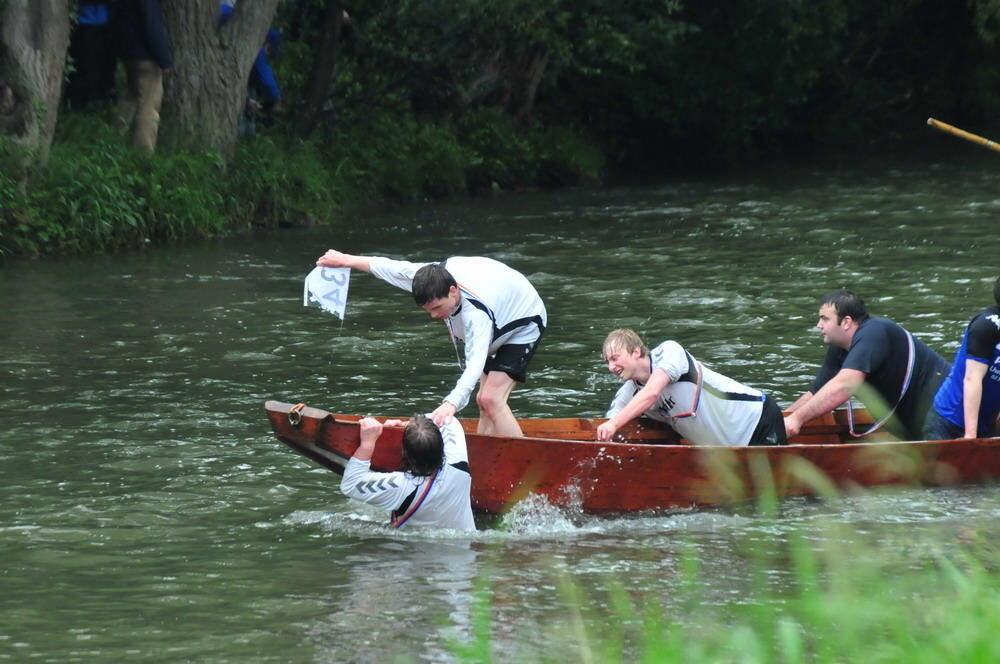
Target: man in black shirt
<point>894,374</point>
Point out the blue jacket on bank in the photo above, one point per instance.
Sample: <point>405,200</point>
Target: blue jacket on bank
<point>261,74</point>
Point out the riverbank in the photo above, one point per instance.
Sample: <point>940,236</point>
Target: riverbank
<point>96,195</point>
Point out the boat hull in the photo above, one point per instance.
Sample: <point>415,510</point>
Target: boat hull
<point>651,469</point>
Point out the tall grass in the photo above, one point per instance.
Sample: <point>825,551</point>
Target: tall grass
<point>848,601</point>
<point>842,595</point>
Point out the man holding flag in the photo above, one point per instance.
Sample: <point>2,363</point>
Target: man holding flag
<point>491,307</point>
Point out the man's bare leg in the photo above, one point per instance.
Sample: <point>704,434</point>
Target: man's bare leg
<point>495,416</point>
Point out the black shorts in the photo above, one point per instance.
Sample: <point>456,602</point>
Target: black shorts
<point>771,427</point>
<point>512,359</point>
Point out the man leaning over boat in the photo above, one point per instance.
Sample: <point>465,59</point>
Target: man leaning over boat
<point>888,369</point>
<point>671,386</point>
<point>491,307</point>
<point>433,490</point>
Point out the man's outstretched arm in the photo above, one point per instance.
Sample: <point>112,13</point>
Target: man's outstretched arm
<point>334,258</point>
<point>639,404</point>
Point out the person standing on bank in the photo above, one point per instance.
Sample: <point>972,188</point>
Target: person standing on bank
<point>670,386</point>
<point>433,490</point>
<point>493,308</point>
<point>145,48</point>
<point>92,49</point>
<point>968,402</point>
<point>887,368</point>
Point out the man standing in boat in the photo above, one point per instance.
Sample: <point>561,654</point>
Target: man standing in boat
<point>493,308</point>
<point>434,489</point>
<point>894,374</point>
<point>968,402</point>
<point>671,386</point>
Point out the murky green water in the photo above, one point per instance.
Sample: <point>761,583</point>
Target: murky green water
<point>147,515</point>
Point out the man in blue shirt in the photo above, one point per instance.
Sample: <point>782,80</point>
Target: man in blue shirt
<point>968,402</point>
<point>894,374</point>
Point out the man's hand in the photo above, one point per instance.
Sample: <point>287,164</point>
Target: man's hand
<point>606,431</point>
<point>333,258</point>
<point>443,413</point>
<point>792,426</point>
<point>371,429</point>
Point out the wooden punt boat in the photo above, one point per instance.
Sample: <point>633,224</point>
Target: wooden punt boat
<point>649,468</point>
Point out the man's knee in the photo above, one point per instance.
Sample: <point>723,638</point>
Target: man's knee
<point>491,398</point>
<point>488,400</point>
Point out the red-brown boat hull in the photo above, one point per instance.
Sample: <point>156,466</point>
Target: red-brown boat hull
<point>652,470</point>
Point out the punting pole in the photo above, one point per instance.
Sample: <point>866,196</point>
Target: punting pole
<point>944,126</point>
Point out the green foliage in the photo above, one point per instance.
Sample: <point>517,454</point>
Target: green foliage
<point>848,600</point>
<point>90,197</point>
<point>98,195</point>
<point>185,197</point>
<point>406,159</point>
<point>499,152</point>
<point>477,649</point>
<point>274,182</point>
<point>12,227</point>
<point>445,97</point>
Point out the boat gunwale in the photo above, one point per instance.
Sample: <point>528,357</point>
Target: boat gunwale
<point>349,419</point>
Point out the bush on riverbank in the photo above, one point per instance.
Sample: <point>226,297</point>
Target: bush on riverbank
<point>846,599</point>
<point>97,195</point>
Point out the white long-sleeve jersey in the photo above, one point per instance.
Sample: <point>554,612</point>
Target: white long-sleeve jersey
<point>447,505</point>
<point>499,306</point>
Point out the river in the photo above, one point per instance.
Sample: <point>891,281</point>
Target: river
<point>148,515</point>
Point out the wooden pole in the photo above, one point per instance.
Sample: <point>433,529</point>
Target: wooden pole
<point>943,126</point>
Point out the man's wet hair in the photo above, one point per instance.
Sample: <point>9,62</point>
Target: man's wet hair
<point>846,303</point>
<point>623,339</point>
<point>996,291</point>
<point>432,282</point>
<point>423,446</point>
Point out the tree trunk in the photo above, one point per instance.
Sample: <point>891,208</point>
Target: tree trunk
<point>324,66</point>
<point>34,38</point>
<point>531,77</point>
<point>205,95</point>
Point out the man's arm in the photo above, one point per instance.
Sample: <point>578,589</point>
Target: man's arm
<point>801,401</point>
<point>334,258</point>
<point>371,429</point>
<point>398,273</point>
<point>478,336</point>
<point>837,390</point>
<point>385,490</point>
<point>639,404</point>
<point>972,395</point>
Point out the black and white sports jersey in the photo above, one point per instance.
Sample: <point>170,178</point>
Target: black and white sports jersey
<point>701,405</point>
<point>499,306</point>
<point>447,505</point>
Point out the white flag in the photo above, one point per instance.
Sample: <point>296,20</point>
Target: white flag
<point>326,287</point>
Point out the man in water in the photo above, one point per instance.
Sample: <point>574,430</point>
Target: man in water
<point>669,385</point>
<point>968,402</point>
<point>493,308</point>
<point>894,374</point>
<point>434,488</point>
